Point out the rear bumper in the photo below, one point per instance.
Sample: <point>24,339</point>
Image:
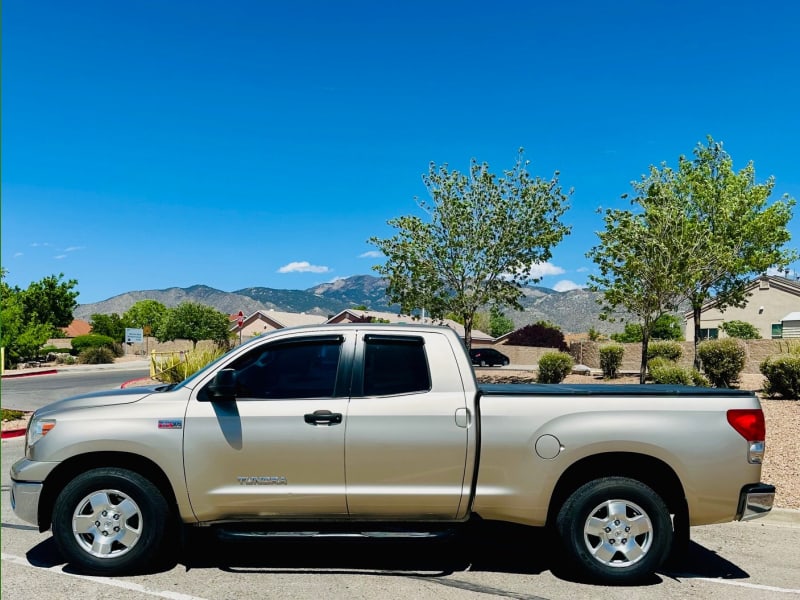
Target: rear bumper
<point>755,500</point>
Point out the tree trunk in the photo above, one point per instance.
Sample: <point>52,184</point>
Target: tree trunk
<point>645,343</point>
<point>468,331</point>
<point>696,308</point>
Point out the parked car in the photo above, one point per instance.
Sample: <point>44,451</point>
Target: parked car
<point>488,357</point>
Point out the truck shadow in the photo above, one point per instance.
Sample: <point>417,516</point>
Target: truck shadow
<point>498,549</point>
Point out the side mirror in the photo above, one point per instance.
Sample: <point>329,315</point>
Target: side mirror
<point>223,386</point>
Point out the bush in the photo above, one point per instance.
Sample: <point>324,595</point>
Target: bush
<point>666,372</point>
<point>669,350</point>
<point>96,356</point>
<point>611,359</point>
<point>554,367</point>
<point>177,367</point>
<point>540,335</point>
<point>783,376</point>
<point>92,340</point>
<point>741,330</point>
<point>65,359</point>
<point>723,360</point>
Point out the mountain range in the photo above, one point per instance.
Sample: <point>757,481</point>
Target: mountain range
<point>574,311</point>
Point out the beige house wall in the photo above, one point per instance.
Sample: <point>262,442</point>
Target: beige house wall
<point>765,306</point>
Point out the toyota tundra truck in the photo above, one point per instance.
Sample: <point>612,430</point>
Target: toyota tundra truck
<point>376,430</point>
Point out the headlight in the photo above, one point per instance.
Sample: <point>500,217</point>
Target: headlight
<point>37,429</point>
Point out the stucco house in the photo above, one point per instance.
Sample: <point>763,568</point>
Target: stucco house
<point>351,315</point>
<point>773,307</point>
<point>264,321</point>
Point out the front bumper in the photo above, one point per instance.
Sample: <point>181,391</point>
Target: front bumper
<point>755,500</point>
<point>25,500</point>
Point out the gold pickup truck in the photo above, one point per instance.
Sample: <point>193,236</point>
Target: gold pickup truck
<point>380,430</point>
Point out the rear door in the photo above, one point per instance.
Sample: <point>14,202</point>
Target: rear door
<point>407,436</point>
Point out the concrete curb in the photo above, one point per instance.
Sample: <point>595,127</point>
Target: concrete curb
<point>12,433</point>
<point>32,374</point>
<point>132,381</point>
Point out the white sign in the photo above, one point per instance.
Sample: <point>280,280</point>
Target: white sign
<point>133,335</point>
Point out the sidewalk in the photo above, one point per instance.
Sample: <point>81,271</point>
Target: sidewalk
<point>119,364</point>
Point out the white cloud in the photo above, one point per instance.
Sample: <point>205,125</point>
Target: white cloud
<point>40,244</point>
<point>18,254</point>
<point>371,254</point>
<point>566,285</point>
<point>583,270</point>
<point>538,270</point>
<point>60,256</point>
<point>73,248</point>
<point>303,267</point>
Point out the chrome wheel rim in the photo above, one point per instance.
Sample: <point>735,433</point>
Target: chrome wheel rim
<point>618,533</point>
<point>107,523</point>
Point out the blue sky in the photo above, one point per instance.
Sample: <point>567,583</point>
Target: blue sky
<point>152,144</point>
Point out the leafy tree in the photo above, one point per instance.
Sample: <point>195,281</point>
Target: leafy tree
<point>193,321</point>
<point>481,237</point>
<point>741,330</point>
<point>640,258</point>
<point>111,325</point>
<point>700,231</point>
<point>146,315</point>
<point>631,334</point>
<point>739,234</point>
<point>499,324</point>
<point>51,300</point>
<point>28,318</point>
<point>668,327</point>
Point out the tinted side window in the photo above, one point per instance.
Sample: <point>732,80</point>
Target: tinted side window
<point>395,366</point>
<point>296,370</point>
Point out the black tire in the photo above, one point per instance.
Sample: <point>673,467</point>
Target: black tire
<point>614,530</point>
<point>110,521</point>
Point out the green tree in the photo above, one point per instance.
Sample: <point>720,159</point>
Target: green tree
<point>478,244</point>
<point>28,318</point>
<point>668,327</point>
<point>698,232</point>
<point>639,264</point>
<point>740,233</point>
<point>146,315</point>
<point>111,325</point>
<point>499,323</point>
<point>193,321</point>
<point>51,300</point>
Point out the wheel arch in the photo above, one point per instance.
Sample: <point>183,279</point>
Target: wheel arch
<point>76,465</point>
<point>651,471</point>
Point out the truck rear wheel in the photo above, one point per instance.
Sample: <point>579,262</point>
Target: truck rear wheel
<point>110,521</point>
<point>615,530</point>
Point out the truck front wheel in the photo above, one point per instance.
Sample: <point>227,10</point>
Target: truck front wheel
<point>615,530</point>
<point>110,521</point>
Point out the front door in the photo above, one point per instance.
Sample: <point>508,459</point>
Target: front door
<point>277,450</point>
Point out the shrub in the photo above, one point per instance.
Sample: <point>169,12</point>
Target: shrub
<point>668,349</point>
<point>540,335</point>
<point>554,367</point>
<point>65,359</point>
<point>611,359</point>
<point>96,356</point>
<point>177,367</point>
<point>741,330</point>
<point>783,376</point>
<point>723,360</point>
<point>92,340</point>
<point>667,372</point>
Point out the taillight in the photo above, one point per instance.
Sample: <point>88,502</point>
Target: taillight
<point>749,423</point>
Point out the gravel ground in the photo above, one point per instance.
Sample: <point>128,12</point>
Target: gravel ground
<point>781,465</point>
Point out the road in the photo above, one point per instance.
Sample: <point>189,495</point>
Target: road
<point>734,561</point>
<point>30,393</point>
